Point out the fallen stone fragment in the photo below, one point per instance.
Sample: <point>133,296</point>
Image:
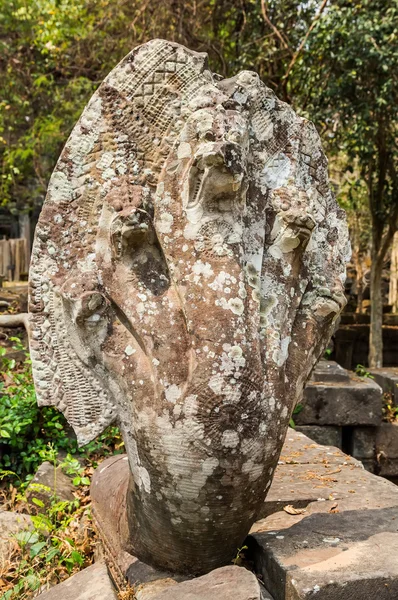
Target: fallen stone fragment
<point>226,583</point>
<point>345,546</point>
<point>47,483</point>
<point>11,523</point>
<point>92,583</point>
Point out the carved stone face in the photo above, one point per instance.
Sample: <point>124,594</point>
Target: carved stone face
<point>188,268</point>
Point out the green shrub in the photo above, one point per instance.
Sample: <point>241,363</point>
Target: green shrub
<point>28,433</point>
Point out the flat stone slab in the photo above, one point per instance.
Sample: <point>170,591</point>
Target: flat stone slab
<point>226,583</point>
<point>355,401</point>
<point>92,583</point>
<point>344,546</point>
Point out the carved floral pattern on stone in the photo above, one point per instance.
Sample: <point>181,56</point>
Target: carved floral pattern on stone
<point>187,271</point>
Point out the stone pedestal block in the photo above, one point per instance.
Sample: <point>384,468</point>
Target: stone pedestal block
<point>329,370</point>
<point>224,584</point>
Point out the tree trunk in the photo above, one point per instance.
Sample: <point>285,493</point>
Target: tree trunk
<point>393,291</point>
<point>359,271</point>
<point>376,313</point>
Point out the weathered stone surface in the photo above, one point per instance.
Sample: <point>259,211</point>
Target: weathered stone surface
<point>224,584</point>
<point>50,481</point>
<point>387,378</point>
<point>370,465</point>
<point>308,472</point>
<point>92,583</point>
<point>327,435</point>
<point>11,523</point>
<point>189,256</point>
<point>387,449</point>
<point>363,440</point>
<point>149,591</point>
<point>345,543</point>
<point>329,370</point>
<point>353,402</point>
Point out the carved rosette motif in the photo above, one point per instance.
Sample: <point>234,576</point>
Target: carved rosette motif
<point>187,272</point>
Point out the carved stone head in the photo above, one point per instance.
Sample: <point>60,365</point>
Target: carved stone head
<point>187,271</point>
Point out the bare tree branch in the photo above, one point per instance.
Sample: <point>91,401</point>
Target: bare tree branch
<point>305,38</point>
<point>270,24</point>
<point>19,320</point>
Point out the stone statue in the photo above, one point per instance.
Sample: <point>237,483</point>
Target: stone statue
<point>187,271</point>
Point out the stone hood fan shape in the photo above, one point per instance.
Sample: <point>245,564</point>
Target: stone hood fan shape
<point>187,271</point>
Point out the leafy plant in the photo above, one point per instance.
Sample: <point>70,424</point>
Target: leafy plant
<point>25,429</point>
<point>390,409</point>
<point>51,551</point>
<point>73,468</point>
<point>297,409</point>
<point>30,435</point>
<point>240,556</point>
<point>362,371</point>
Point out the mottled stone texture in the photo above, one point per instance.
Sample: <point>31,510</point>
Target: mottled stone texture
<point>187,270</point>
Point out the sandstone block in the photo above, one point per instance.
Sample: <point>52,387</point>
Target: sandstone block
<point>328,551</point>
<point>387,449</point>
<point>363,442</point>
<point>92,583</point>
<point>387,378</point>
<point>329,370</point>
<point>356,401</point>
<point>327,435</point>
<point>224,584</point>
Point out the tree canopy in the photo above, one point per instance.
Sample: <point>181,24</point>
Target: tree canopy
<point>54,53</point>
<point>336,61</point>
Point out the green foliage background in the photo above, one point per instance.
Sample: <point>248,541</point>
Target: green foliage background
<point>343,75</point>
<point>54,53</point>
<point>29,434</point>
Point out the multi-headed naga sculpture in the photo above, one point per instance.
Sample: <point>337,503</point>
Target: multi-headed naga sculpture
<point>187,271</point>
